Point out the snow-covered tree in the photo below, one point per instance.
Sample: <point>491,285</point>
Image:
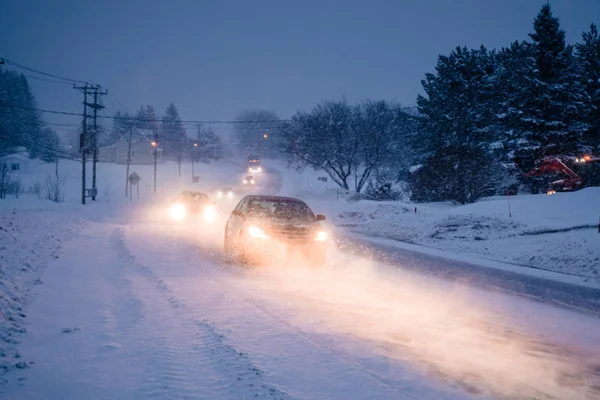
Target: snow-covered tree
<point>172,135</point>
<point>324,138</point>
<point>121,126</point>
<point>210,147</point>
<point>588,59</point>
<point>553,104</point>
<point>456,109</point>
<point>20,124</point>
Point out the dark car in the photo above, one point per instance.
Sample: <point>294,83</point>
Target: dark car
<point>260,226</point>
<point>192,204</point>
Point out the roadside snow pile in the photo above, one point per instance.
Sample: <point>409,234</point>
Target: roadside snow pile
<point>28,240</point>
<point>556,233</point>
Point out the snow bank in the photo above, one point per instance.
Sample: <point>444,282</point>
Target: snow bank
<point>29,238</point>
<point>556,233</point>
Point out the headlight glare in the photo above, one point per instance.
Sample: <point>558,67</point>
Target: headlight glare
<point>256,232</point>
<point>321,236</point>
<point>178,212</point>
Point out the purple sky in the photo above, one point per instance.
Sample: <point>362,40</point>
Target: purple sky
<point>214,58</point>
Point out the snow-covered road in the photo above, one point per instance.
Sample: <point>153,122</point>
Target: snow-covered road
<point>139,308</point>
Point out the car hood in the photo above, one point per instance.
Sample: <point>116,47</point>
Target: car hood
<point>266,223</point>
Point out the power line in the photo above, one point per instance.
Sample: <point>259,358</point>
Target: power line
<point>274,121</point>
<point>47,80</point>
<point>17,65</point>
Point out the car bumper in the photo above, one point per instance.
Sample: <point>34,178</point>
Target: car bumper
<point>272,249</point>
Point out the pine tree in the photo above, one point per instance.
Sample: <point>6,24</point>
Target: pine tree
<point>457,110</point>
<point>120,127</point>
<point>555,103</point>
<point>588,59</point>
<point>173,138</point>
<point>20,124</point>
<point>210,147</point>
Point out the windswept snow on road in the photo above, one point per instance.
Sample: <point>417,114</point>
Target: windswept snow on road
<point>555,233</point>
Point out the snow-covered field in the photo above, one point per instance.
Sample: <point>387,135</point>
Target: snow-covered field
<point>555,233</point>
<point>139,307</point>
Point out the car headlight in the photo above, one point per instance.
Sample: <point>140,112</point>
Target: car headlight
<point>230,195</point>
<point>245,181</point>
<point>220,194</point>
<point>259,169</point>
<point>178,212</point>
<point>321,236</point>
<point>210,214</point>
<point>256,232</point>
<point>252,181</point>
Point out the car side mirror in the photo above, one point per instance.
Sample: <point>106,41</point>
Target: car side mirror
<point>321,217</point>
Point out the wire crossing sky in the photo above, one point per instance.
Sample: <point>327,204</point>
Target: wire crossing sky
<point>214,59</point>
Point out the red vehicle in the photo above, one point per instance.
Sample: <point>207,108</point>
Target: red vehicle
<point>556,167</point>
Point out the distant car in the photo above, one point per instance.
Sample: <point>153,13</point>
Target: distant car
<point>260,224</point>
<point>255,169</point>
<point>192,204</point>
<point>249,180</point>
<point>225,193</point>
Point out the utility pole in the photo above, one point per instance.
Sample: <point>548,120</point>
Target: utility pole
<point>82,138</point>
<point>155,145</point>
<point>128,161</point>
<point>95,106</point>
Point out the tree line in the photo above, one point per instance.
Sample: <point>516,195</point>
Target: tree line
<point>486,117</point>
<point>170,134</point>
<point>20,124</point>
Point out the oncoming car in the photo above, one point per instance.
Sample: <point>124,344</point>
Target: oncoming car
<point>190,204</point>
<point>255,169</point>
<point>249,180</point>
<point>260,226</point>
<point>225,193</point>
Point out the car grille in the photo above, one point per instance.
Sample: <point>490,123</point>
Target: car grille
<point>291,234</point>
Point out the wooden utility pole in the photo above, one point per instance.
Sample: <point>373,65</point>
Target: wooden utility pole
<point>82,138</point>
<point>128,160</point>
<point>155,145</point>
<point>95,106</point>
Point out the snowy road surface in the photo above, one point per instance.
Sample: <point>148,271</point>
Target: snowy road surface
<point>139,308</point>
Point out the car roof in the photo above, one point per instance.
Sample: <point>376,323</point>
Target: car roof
<point>273,198</point>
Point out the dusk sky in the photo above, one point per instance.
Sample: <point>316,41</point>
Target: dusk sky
<point>214,59</point>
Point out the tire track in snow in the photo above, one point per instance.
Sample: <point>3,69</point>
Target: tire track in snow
<point>200,347</point>
<point>128,308</point>
<point>395,389</point>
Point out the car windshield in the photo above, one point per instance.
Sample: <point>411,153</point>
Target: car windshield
<point>280,209</point>
<point>200,197</point>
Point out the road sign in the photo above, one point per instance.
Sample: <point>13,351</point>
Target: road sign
<point>134,178</point>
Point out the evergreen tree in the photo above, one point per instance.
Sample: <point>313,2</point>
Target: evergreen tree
<point>456,111</point>
<point>20,124</point>
<point>120,127</point>
<point>145,118</point>
<point>588,59</point>
<point>515,70</point>
<point>555,103</point>
<point>48,145</point>
<point>173,138</point>
<point>210,147</point>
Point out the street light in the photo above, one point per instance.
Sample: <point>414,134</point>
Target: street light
<point>265,136</point>
<point>193,156</point>
<point>153,144</point>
